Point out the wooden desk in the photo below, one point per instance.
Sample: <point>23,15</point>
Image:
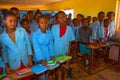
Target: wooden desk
<point>93,48</point>
<point>14,76</point>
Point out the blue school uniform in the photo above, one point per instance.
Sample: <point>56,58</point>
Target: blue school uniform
<point>61,43</point>
<point>76,32</point>
<point>14,53</point>
<point>43,45</point>
<point>2,27</point>
<point>97,30</point>
<point>33,26</point>
<point>112,28</point>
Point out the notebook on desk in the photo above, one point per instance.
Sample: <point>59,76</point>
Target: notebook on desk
<point>37,69</point>
<point>23,71</point>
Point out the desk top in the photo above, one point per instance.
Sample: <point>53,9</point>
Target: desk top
<point>100,46</point>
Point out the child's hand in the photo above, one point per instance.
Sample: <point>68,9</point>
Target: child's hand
<point>44,63</point>
<point>30,64</point>
<point>52,58</point>
<point>8,71</point>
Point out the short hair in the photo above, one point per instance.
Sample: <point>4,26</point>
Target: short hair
<point>101,12</point>
<point>8,14</point>
<point>110,12</point>
<point>84,20</point>
<point>61,12</point>
<point>14,8</point>
<point>41,18</point>
<point>106,20</point>
<point>24,20</point>
<point>75,19</point>
<point>30,12</point>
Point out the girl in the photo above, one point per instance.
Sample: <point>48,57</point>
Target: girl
<point>16,49</point>
<point>43,44</point>
<point>25,24</point>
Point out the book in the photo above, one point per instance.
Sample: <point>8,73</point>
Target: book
<point>63,58</point>
<point>52,67</point>
<point>37,69</point>
<point>2,75</point>
<point>22,71</point>
<point>51,62</point>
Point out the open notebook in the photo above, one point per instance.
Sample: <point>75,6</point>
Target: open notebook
<point>37,69</point>
<point>51,62</point>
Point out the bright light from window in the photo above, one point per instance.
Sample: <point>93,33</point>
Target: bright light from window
<point>69,11</point>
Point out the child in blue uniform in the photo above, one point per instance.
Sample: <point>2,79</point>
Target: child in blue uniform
<point>16,49</point>
<point>43,44</point>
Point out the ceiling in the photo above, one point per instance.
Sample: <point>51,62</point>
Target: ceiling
<point>28,2</point>
<point>25,4</point>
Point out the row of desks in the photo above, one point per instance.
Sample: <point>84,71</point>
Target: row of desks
<point>96,47</point>
<point>14,76</point>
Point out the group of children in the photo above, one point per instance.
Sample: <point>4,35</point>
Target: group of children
<point>34,40</point>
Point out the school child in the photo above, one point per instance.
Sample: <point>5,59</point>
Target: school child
<point>94,19</point>
<point>85,32</point>
<point>80,17</point>
<point>89,18</point>
<point>97,27</point>
<point>25,24</point>
<point>68,22</point>
<point>62,35</point>
<point>111,16</point>
<point>37,15</point>
<point>106,39</point>
<point>43,44</point>
<point>16,12</point>
<point>75,28</point>
<point>33,23</point>
<point>24,17</point>
<point>16,49</point>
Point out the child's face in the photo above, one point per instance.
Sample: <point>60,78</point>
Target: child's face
<point>30,17</point>
<point>25,24</point>
<point>101,17</point>
<point>43,23</point>
<point>37,16</point>
<point>110,16</point>
<point>76,23</point>
<point>10,22</point>
<point>62,18</point>
<point>106,24</point>
<point>79,17</point>
<point>85,23</point>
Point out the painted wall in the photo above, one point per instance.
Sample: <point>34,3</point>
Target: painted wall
<point>86,7</point>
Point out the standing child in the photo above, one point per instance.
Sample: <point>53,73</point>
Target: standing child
<point>85,33</point>
<point>63,35</point>
<point>16,49</point>
<point>43,44</point>
<point>25,24</point>
<point>75,28</point>
<point>111,16</point>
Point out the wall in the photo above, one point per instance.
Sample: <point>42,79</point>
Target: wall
<point>86,7</point>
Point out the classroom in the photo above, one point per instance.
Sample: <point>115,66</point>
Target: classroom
<point>59,40</point>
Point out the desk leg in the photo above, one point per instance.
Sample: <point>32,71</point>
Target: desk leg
<point>91,64</point>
